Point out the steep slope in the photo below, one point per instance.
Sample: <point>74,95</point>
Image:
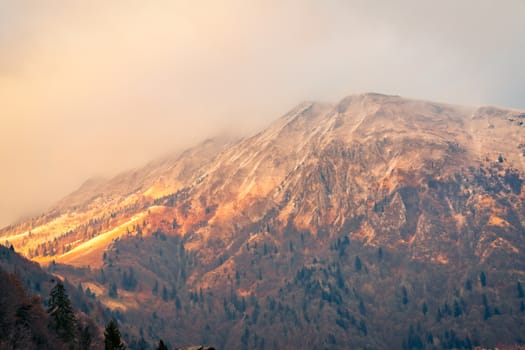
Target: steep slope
<point>376,221</point>
<point>80,226</point>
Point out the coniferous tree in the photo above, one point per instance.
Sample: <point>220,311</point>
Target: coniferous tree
<point>165,295</point>
<point>424,308</point>
<point>483,279</point>
<point>519,289</point>
<point>155,288</point>
<point>404,297</point>
<point>61,312</point>
<point>87,332</point>
<point>85,338</point>
<point>141,344</point>
<point>486,314</point>
<point>129,280</point>
<point>379,253</point>
<point>113,290</point>
<point>468,284</point>
<point>357,264</point>
<point>162,346</point>
<point>457,309</point>
<point>112,339</point>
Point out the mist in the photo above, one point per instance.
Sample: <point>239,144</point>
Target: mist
<point>95,88</point>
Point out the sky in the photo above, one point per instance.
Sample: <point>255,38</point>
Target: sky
<point>92,88</point>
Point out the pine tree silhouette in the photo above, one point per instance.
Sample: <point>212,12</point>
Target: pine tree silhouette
<point>61,311</point>
<point>112,339</point>
<point>162,346</point>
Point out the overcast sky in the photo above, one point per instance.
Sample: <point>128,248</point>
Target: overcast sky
<point>90,88</point>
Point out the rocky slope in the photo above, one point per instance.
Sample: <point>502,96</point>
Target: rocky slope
<point>376,221</point>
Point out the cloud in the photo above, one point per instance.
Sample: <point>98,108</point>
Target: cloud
<point>92,88</point>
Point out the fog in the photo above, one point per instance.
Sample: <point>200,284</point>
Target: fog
<point>91,88</point>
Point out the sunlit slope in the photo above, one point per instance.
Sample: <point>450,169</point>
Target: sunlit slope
<point>85,222</point>
<point>337,213</point>
<point>366,147</point>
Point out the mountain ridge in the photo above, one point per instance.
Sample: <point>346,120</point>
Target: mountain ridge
<point>353,204</point>
<point>307,123</point>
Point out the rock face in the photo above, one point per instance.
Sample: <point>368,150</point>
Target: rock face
<point>362,224</point>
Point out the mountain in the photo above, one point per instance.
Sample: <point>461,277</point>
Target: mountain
<point>377,222</point>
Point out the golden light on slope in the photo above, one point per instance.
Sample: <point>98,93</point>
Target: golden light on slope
<point>90,253</point>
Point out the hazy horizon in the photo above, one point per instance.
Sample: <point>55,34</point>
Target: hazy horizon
<point>93,89</point>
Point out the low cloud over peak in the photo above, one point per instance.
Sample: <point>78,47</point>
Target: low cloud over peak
<point>92,88</point>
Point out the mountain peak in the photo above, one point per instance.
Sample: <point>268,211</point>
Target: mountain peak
<point>356,214</point>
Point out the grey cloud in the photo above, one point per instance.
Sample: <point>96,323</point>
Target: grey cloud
<point>92,88</point>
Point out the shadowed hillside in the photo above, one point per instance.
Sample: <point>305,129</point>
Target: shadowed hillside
<point>27,319</point>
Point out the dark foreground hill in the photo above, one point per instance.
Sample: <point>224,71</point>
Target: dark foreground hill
<point>26,319</point>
